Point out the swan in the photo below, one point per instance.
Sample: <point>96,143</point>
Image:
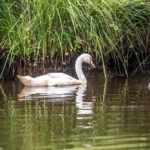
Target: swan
<point>60,79</point>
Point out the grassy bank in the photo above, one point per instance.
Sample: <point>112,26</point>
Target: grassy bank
<point>116,32</point>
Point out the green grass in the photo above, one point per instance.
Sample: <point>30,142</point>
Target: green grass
<point>105,28</point>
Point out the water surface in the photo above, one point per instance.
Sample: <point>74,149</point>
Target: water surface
<point>104,115</point>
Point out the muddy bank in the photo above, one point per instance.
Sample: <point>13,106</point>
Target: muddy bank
<point>35,65</point>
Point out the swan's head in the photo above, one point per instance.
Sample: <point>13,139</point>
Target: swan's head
<point>78,66</point>
<point>87,58</point>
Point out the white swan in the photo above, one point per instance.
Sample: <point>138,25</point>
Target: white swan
<point>60,79</point>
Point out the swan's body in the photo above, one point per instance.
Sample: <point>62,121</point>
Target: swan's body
<point>50,79</point>
<point>60,79</point>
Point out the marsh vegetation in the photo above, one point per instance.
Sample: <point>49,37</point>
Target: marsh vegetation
<point>51,33</point>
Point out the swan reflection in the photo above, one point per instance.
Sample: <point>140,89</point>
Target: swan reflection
<point>62,92</point>
<point>84,108</point>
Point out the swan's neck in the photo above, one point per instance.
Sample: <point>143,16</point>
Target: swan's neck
<point>79,71</point>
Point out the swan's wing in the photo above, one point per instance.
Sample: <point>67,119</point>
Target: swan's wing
<point>61,79</point>
<point>59,75</point>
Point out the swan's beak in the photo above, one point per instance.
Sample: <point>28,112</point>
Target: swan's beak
<point>92,64</point>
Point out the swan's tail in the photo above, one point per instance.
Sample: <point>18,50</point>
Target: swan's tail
<point>20,77</point>
<point>24,80</point>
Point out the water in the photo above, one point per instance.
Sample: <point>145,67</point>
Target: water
<point>110,115</point>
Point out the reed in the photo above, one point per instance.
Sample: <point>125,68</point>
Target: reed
<point>119,30</point>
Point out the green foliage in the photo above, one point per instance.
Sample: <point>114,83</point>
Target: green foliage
<point>102,27</point>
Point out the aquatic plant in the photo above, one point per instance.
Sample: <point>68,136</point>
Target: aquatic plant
<point>113,31</point>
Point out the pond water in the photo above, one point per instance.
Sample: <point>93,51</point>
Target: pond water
<point>102,115</point>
